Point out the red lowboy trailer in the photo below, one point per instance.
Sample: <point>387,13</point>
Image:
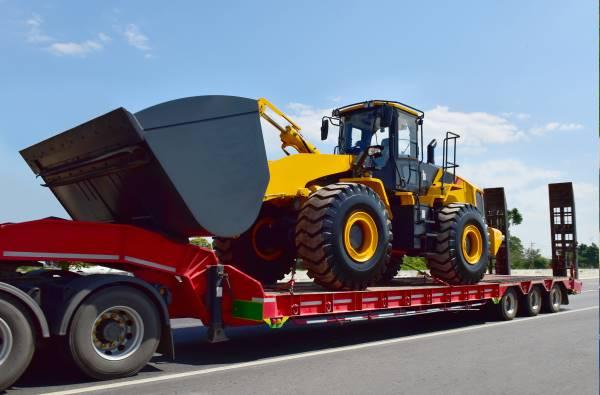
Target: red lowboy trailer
<point>113,324</point>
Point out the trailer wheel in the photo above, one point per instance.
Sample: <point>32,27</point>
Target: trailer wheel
<point>552,300</point>
<point>507,309</point>
<point>531,303</point>
<point>343,236</point>
<point>114,333</point>
<point>17,341</point>
<point>461,255</point>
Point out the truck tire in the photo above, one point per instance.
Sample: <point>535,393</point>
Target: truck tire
<point>344,236</point>
<point>552,300</point>
<point>531,303</point>
<point>114,333</point>
<point>508,306</point>
<point>461,255</point>
<point>17,340</point>
<point>265,252</point>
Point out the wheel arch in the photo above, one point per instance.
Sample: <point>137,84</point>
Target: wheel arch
<point>377,186</point>
<point>42,327</point>
<point>81,288</point>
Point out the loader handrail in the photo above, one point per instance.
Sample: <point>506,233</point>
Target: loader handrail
<point>290,134</point>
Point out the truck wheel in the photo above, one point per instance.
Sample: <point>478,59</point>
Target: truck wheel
<point>17,341</point>
<point>265,252</point>
<point>506,310</point>
<point>531,303</point>
<point>114,333</point>
<point>461,255</point>
<point>552,300</point>
<point>343,236</point>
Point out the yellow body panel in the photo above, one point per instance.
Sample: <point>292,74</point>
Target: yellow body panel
<point>406,198</point>
<point>459,192</point>
<point>290,175</point>
<point>496,239</point>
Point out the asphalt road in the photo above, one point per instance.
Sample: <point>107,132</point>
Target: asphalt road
<point>449,353</point>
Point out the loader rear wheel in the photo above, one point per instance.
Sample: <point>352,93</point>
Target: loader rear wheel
<point>393,267</point>
<point>461,255</point>
<point>265,252</point>
<point>343,236</point>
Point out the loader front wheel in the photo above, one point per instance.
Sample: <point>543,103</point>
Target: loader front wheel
<point>265,252</point>
<point>343,236</point>
<point>461,253</point>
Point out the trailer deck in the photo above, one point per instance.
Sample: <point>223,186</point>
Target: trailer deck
<point>185,281</point>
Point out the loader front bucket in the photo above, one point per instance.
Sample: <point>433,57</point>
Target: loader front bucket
<point>187,167</point>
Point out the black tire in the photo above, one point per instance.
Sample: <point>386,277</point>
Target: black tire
<point>392,269</point>
<point>116,304</point>
<point>552,300</point>
<point>450,262</point>
<point>265,252</point>
<point>17,340</point>
<point>508,306</point>
<point>326,236</point>
<point>531,303</point>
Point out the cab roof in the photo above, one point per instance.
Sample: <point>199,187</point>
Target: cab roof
<point>376,103</point>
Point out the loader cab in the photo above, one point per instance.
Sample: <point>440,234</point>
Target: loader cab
<point>393,126</point>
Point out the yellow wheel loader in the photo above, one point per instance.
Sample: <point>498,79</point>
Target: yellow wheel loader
<point>197,166</point>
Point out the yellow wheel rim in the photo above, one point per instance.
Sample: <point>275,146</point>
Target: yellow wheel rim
<point>472,244</point>
<point>262,252</point>
<point>360,236</point>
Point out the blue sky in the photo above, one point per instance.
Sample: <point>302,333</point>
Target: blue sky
<point>518,80</point>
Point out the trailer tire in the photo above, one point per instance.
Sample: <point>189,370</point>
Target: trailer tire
<point>461,253</point>
<point>531,303</point>
<point>17,340</point>
<point>344,236</point>
<point>114,333</point>
<point>508,306</point>
<point>552,300</point>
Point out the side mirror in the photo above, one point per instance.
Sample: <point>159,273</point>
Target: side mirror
<point>324,129</point>
<point>431,151</point>
<point>387,113</point>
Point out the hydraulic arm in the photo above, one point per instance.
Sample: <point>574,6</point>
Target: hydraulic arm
<point>289,134</point>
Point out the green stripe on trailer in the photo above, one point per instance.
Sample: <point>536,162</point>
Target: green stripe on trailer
<point>248,310</point>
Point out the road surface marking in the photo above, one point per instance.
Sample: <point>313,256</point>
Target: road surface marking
<point>269,361</point>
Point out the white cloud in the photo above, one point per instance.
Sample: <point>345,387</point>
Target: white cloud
<point>476,129</point>
<point>79,49</point>
<point>555,126</point>
<point>517,115</point>
<point>136,38</point>
<point>35,33</point>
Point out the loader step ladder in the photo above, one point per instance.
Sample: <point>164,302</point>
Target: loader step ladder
<point>496,216</point>
<point>563,229</point>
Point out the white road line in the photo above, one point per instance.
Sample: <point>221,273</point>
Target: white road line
<point>589,290</point>
<point>269,361</point>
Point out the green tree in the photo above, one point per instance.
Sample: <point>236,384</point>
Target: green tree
<point>514,217</point>
<point>534,260</point>
<point>516,252</point>
<point>587,255</point>
<point>201,242</point>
